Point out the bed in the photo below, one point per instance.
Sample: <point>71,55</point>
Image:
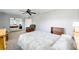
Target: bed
<point>38,40</point>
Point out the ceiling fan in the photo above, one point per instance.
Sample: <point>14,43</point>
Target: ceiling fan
<point>28,11</point>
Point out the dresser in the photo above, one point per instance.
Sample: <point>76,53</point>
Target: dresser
<point>2,39</point>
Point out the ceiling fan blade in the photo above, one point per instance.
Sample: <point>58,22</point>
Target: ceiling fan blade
<point>29,13</point>
<point>23,13</point>
<point>21,10</point>
<point>33,12</point>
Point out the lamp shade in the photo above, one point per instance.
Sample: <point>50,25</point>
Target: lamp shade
<point>75,24</point>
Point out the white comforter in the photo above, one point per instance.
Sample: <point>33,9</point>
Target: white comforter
<point>41,41</point>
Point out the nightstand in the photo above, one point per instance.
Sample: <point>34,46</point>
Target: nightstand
<point>76,37</point>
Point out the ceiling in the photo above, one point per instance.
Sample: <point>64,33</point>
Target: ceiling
<point>18,12</point>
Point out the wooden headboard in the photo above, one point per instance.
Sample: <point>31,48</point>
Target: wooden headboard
<point>57,30</point>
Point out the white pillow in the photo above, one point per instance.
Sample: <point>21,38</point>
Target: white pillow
<point>63,43</point>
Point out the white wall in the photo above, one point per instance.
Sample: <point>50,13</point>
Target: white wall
<point>57,18</point>
<point>4,20</point>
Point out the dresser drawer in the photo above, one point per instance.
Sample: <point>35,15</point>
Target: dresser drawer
<point>1,43</point>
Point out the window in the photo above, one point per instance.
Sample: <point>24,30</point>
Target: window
<point>12,21</point>
<point>15,21</point>
<point>15,24</point>
<point>28,22</point>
